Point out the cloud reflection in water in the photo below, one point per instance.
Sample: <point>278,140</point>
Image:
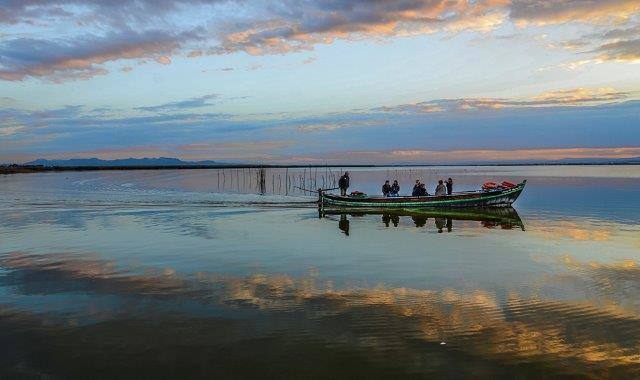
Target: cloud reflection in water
<point>279,317</point>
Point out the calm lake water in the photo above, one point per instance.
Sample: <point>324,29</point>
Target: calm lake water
<point>193,274</point>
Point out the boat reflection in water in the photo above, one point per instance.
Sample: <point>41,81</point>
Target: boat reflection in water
<point>505,218</point>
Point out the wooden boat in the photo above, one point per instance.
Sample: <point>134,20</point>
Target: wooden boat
<point>477,199</point>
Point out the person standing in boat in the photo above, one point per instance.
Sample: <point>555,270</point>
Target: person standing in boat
<point>343,183</point>
<point>449,186</point>
<point>386,188</point>
<point>395,188</point>
<point>441,189</point>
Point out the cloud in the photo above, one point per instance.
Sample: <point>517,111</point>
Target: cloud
<point>158,30</point>
<point>255,66</point>
<point>561,11</point>
<point>309,60</point>
<point>298,25</point>
<point>618,44</point>
<point>8,131</point>
<point>321,127</point>
<point>83,57</point>
<point>572,97</point>
<point>273,152</point>
<point>620,51</point>
<point>620,33</point>
<point>117,12</point>
<point>575,65</point>
<point>594,118</point>
<point>163,60</point>
<point>223,69</point>
<point>577,96</point>
<point>482,155</point>
<point>332,126</point>
<point>234,150</point>
<point>240,145</point>
<point>201,101</point>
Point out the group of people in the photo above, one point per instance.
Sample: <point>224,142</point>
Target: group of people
<point>419,189</point>
<point>393,190</point>
<point>390,190</point>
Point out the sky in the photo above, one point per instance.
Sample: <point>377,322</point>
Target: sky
<point>320,81</point>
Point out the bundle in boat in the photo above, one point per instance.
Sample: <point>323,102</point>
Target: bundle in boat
<point>488,186</point>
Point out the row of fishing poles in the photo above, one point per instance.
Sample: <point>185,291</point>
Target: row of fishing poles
<point>278,181</point>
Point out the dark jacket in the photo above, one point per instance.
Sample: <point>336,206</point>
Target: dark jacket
<point>386,189</point>
<point>419,191</point>
<point>395,188</point>
<point>343,182</point>
<point>449,187</point>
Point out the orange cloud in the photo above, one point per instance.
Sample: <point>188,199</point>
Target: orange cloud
<point>163,60</point>
<point>537,12</point>
<point>580,96</point>
<point>322,23</point>
<point>571,97</point>
<point>273,30</point>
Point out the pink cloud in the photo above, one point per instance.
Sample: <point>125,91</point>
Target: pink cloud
<point>163,60</point>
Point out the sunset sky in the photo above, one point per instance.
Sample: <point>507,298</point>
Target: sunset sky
<point>293,81</point>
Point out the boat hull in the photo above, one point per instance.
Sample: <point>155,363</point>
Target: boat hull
<point>496,198</point>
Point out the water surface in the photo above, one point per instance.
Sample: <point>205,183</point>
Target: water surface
<point>178,273</point>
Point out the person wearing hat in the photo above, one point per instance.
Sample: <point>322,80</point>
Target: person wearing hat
<point>343,183</point>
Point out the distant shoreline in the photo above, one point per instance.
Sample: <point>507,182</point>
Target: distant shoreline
<point>17,169</point>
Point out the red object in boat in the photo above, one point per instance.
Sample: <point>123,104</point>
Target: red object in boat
<point>489,186</point>
<point>508,185</point>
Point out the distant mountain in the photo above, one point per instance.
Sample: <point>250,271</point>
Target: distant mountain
<point>160,161</point>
